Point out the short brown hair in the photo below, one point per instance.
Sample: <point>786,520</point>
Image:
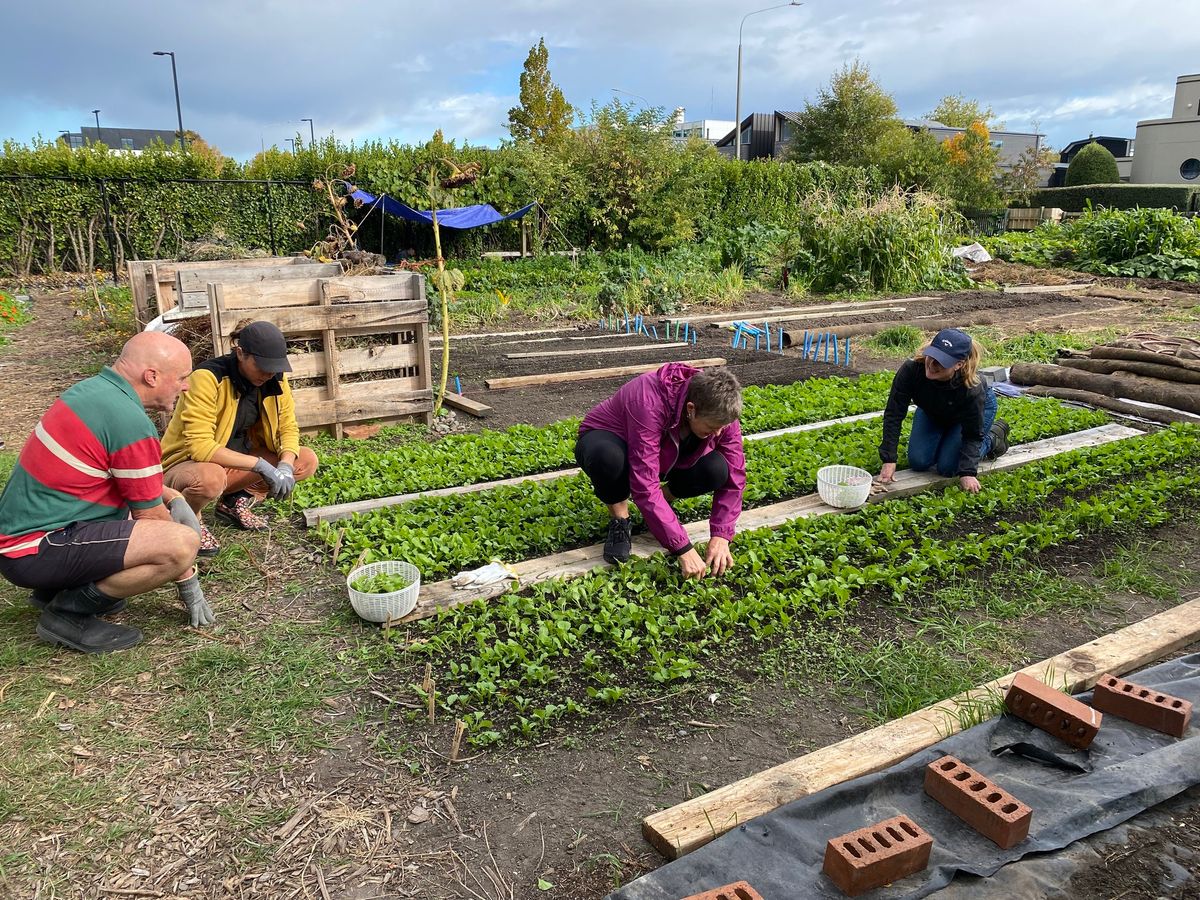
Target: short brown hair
<point>717,396</point>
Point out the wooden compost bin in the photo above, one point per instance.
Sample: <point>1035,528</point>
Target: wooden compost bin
<point>381,370</point>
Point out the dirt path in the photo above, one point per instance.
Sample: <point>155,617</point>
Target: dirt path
<point>42,360</point>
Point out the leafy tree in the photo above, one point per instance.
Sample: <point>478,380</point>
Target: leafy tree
<point>972,168</point>
<point>544,115</point>
<point>957,111</point>
<point>849,124</point>
<point>1092,165</point>
<point>1026,174</point>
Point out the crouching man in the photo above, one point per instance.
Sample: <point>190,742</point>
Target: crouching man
<point>84,521</point>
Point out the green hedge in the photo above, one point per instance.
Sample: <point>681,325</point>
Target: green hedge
<point>1180,197</point>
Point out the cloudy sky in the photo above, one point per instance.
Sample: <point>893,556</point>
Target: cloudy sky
<point>250,70</point>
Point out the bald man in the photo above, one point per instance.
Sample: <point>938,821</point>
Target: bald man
<point>84,520</point>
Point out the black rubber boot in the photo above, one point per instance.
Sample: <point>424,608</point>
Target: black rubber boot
<point>618,546</point>
<point>999,435</point>
<point>86,600</point>
<point>41,597</point>
<point>87,634</point>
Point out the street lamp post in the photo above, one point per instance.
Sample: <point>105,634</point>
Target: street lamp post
<point>96,113</point>
<point>292,141</point>
<point>312,137</point>
<point>645,102</point>
<point>737,114</point>
<point>175,79</point>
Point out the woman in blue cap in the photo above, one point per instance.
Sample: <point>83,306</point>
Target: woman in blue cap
<point>955,424</point>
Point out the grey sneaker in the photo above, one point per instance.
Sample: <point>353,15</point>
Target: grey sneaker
<point>617,546</point>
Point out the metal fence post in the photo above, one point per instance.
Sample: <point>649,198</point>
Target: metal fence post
<point>108,231</point>
<point>271,219</point>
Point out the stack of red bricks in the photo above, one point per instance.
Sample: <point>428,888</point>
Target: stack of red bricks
<point>898,847</point>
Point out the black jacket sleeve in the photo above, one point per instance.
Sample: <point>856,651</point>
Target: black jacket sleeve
<point>900,397</point>
<point>972,433</point>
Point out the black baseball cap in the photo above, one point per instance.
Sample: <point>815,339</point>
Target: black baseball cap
<point>266,344</point>
<point>949,347</point>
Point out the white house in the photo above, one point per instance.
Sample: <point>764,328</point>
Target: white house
<point>1168,150</point>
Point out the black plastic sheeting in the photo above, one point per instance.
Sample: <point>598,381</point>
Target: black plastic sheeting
<point>1127,770</point>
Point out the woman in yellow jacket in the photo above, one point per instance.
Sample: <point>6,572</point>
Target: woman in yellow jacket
<point>233,437</point>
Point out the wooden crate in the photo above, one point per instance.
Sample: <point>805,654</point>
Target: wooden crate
<point>1029,219</point>
<point>164,274</point>
<point>389,311</point>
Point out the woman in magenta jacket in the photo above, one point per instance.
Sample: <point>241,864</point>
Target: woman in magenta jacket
<point>677,425</point>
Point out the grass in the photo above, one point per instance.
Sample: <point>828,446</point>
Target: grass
<point>1131,569</point>
<point>900,340</point>
<point>1037,346</point>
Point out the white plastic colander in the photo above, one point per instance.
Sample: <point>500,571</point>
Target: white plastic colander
<point>844,486</point>
<point>392,605</point>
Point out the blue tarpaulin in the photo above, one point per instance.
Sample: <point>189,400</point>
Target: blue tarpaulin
<point>462,217</point>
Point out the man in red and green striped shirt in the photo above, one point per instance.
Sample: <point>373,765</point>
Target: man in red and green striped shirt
<point>82,518</point>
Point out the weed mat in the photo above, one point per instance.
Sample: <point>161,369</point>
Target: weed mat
<point>780,853</point>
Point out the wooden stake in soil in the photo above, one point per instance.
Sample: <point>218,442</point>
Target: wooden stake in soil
<point>455,745</point>
<point>427,687</point>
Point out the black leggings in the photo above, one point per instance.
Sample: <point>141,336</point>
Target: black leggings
<point>604,457</point>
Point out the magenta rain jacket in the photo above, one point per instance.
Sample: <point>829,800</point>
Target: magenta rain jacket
<point>648,414</point>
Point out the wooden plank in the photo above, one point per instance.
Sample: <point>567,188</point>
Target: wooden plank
<point>586,351</point>
<point>1046,288</point>
<point>589,337</point>
<point>191,280</point>
<point>443,594</point>
<point>677,831</point>
<point>398,399</point>
<point>343,289</point>
<point>835,314</point>
<point>751,314</point>
<point>467,405</point>
<point>519,381</point>
<point>437,338</point>
<point>333,374</point>
<point>164,287</point>
<point>343,510</point>
<point>357,359</point>
<point>374,317</point>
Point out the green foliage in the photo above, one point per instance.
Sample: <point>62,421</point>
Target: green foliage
<point>1037,346</point>
<point>544,115</point>
<point>12,316</point>
<point>1139,243</point>
<point>1093,164</point>
<point>513,669</point>
<point>891,243</point>
<point>902,339</point>
<point>852,117</point>
<point>957,111</point>
<point>1118,196</point>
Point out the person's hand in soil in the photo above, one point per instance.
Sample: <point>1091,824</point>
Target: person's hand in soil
<point>692,565</point>
<point>970,484</point>
<point>718,558</point>
<point>887,474</point>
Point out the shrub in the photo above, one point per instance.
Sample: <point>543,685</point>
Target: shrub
<point>1093,165</point>
<point>1117,196</point>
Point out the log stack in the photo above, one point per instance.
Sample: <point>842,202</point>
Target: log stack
<point>1148,368</point>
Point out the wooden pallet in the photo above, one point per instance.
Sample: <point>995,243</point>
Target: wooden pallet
<point>163,276</point>
<point>389,311</point>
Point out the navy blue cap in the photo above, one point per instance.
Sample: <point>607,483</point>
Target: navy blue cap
<point>949,347</point>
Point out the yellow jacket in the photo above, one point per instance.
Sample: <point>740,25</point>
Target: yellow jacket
<point>204,416</point>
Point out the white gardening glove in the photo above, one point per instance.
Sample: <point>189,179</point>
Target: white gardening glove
<point>492,573</point>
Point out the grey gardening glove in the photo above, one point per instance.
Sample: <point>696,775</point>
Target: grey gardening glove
<point>183,514</point>
<point>193,598</point>
<point>273,477</point>
<point>288,475</point>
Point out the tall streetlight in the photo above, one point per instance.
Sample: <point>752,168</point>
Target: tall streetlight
<point>737,126</point>
<point>645,102</point>
<point>312,137</point>
<point>175,79</point>
<point>96,113</point>
<point>292,141</point>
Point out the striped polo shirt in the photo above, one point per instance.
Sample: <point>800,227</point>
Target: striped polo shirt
<point>93,456</point>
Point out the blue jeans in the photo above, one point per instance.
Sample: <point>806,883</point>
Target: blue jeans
<point>930,446</point>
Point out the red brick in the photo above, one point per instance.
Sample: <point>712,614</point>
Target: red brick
<point>877,855</point>
<point>992,811</point>
<point>739,890</point>
<point>1053,711</point>
<point>1142,705</point>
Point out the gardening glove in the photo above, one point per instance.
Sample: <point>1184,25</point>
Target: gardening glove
<point>492,573</point>
<point>193,598</point>
<point>288,474</point>
<point>183,514</point>
<point>273,477</point>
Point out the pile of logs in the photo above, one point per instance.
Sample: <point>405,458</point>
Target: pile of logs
<point>1149,368</point>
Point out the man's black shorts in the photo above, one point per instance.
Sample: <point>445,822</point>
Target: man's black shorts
<point>76,555</point>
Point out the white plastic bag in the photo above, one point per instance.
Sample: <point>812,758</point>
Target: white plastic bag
<point>493,573</point>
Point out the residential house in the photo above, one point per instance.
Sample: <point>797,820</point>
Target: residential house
<point>710,130</point>
<point>1168,150</point>
<point>130,139</point>
<point>1121,148</point>
<point>1009,144</point>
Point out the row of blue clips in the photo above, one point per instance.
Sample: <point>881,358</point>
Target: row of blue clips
<point>683,331</point>
<point>818,346</point>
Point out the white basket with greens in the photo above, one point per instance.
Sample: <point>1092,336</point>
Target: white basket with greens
<point>844,486</point>
<point>384,590</point>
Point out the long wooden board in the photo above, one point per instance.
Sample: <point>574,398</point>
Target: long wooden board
<point>751,314</point>
<point>681,829</point>
<point>339,289</point>
<point>1046,288</point>
<point>799,317</point>
<point>354,360</point>
<point>502,334</point>
<point>164,273</point>
<point>519,381</point>
<point>467,405</point>
<point>591,351</point>
<point>192,284</point>
<point>333,513</point>
<point>390,315</point>
<point>442,594</point>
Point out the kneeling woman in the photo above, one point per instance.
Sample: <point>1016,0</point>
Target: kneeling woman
<point>679,425</point>
<point>955,424</point>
